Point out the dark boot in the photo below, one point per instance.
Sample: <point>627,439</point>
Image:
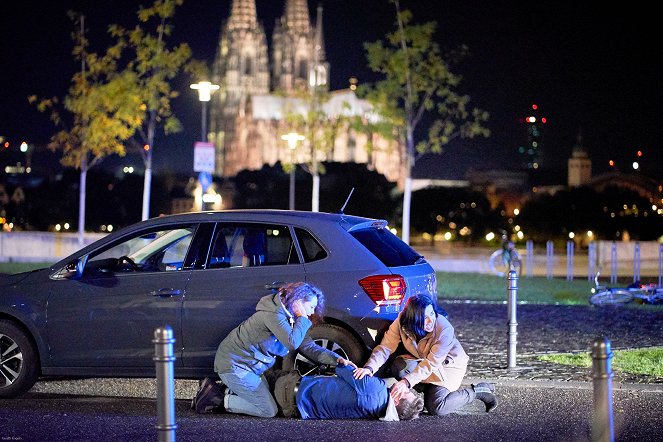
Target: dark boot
<point>210,396</point>
<point>485,392</point>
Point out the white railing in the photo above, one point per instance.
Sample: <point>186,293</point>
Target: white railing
<point>41,246</point>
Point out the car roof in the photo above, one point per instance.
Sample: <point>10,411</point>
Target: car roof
<point>264,215</point>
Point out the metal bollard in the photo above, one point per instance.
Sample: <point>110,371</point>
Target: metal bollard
<point>602,425</point>
<point>570,250</point>
<point>636,262</point>
<point>550,259</point>
<point>164,359</point>
<point>529,260</point>
<point>512,324</point>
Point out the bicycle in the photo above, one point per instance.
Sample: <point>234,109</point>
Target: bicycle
<point>644,293</point>
<point>503,260</point>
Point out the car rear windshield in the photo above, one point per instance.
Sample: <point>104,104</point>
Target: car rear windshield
<point>387,247</point>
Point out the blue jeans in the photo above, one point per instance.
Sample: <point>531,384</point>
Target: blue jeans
<point>248,393</point>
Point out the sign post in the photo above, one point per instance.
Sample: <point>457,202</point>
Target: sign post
<point>203,163</point>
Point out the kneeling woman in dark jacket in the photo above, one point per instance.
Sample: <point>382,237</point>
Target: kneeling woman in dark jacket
<point>278,326</point>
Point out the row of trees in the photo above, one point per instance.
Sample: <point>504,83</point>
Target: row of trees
<point>121,97</point>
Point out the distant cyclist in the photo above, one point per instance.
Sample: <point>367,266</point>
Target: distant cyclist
<point>507,257</point>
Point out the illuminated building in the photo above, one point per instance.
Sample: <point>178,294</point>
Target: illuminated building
<point>247,115</point>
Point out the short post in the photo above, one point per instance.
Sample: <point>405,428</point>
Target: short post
<point>164,360</point>
<point>636,262</point>
<point>602,425</point>
<point>613,263</point>
<point>660,263</point>
<point>550,257</point>
<point>591,261</point>
<point>529,251</point>
<point>512,324</point>
<point>570,250</point>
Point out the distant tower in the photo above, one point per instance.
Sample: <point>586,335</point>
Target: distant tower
<point>580,166</point>
<point>530,152</point>
<point>241,68</point>
<point>296,44</point>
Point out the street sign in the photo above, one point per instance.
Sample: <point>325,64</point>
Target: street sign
<point>203,157</point>
<point>205,179</point>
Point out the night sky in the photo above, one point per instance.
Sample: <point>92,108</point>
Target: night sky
<point>587,65</point>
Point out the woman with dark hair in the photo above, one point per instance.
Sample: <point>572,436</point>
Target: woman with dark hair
<point>435,361</point>
<point>278,326</point>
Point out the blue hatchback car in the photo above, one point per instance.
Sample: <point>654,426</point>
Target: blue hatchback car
<point>94,313</point>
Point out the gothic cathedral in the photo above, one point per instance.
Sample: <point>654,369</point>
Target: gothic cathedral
<point>249,115</point>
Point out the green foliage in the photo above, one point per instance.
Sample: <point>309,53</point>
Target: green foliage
<point>99,115</point>
<point>418,81</point>
<point>304,115</point>
<point>122,92</point>
<point>153,64</point>
<point>648,361</point>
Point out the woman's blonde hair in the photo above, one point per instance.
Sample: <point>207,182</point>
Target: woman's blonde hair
<point>303,291</point>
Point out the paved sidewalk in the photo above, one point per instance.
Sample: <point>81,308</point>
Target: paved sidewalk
<point>546,329</point>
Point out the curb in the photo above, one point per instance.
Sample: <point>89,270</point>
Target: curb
<point>572,385</point>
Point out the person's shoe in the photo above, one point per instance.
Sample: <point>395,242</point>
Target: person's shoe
<point>195,397</point>
<point>209,397</point>
<point>485,392</point>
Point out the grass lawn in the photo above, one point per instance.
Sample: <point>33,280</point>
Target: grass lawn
<point>534,290</point>
<point>17,267</point>
<point>637,361</point>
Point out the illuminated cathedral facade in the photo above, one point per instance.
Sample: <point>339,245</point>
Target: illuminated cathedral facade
<point>258,90</point>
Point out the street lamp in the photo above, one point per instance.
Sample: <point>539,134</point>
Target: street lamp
<point>292,138</point>
<point>205,89</point>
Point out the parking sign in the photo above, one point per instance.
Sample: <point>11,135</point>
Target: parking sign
<point>203,157</point>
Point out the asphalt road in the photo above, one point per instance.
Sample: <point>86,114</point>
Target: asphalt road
<point>538,401</point>
<point>550,412</point>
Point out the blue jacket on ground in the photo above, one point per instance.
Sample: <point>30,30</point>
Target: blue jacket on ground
<point>342,396</point>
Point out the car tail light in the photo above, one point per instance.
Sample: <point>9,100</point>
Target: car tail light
<point>384,289</point>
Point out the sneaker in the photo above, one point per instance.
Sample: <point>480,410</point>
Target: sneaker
<point>209,397</point>
<point>485,392</point>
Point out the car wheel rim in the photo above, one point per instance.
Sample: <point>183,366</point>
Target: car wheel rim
<point>11,360</point>
<point>306,366</point>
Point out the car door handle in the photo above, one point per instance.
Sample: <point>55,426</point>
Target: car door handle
<point>165,293</point>
<point>275,285</point>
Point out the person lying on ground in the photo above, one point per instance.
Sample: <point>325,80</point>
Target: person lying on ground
<point>338,396</point>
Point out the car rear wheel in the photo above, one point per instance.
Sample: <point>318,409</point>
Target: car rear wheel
<point>331,337</point>
<point>18,361</point>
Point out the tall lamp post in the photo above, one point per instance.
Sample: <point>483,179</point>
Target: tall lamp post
<point>292,138</point>
<point>205,89</point>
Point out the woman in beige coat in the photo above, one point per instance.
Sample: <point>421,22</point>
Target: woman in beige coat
<point>435,360</point>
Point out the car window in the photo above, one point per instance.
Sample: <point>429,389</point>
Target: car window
<point>154,251</point>
<point>386,246</point>
<point>311,248</point>
<point>251,245</point>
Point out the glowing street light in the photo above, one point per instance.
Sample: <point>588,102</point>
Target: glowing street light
<point>205,90</point>
<point>292,138</point>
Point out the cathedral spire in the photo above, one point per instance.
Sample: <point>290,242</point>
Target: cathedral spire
<point>243,15</point>
<point>296,16</point>
<point>319,35</point>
